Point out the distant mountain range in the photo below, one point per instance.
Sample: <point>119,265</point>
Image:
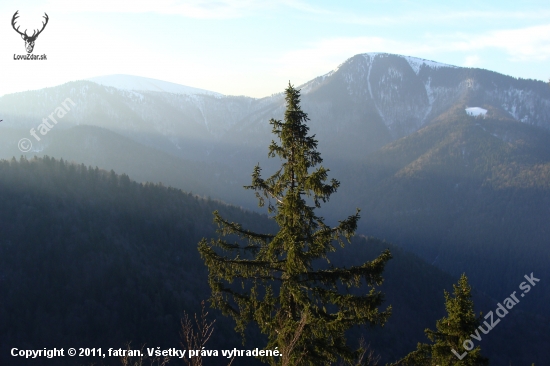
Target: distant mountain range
<point>131,82</point>
<point>367,102</point>
<point>465,192</point>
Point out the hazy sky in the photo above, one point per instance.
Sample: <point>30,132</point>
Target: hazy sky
<point>247,47</point>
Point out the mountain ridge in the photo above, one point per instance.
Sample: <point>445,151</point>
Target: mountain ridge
<point>474,186</point>
<point>141,83</point>
<point>404,93</point>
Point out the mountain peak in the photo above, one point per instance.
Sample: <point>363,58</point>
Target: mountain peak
<point>132,82</point>
<point>415,62</point>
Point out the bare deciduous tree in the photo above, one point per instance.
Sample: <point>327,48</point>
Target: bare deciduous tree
<point>195,336</point>
<point>142,360</point>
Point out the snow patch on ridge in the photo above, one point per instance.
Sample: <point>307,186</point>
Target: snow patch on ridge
<point>476,111</point>
<point>370,58</point>
<point>131,82</point>
<point>431,98</point>
<point>417,63</point>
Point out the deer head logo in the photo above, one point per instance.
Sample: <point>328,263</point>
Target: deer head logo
<point>29,40</point>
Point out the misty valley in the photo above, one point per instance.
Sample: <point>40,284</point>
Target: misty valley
<point>122,201</point>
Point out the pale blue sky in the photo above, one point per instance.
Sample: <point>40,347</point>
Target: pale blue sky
<point>254,48</point>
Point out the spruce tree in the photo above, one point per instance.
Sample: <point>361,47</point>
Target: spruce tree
<point>452,331</point>
<point>302,306</point>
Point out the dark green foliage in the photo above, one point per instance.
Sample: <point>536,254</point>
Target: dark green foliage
<point>89,258</point>
<point>294,299</point>
<point>451,333</point>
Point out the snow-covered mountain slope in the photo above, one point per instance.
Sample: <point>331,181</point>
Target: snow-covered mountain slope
<point>369,100</point>
<point>407,93</point>
<point>132,82</point>
<point>418,63</point>
<point>185,125</point>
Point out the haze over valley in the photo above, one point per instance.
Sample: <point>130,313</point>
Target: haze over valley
<point>465,193</point>
<point>125,153</point>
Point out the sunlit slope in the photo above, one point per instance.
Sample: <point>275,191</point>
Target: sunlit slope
<point>88,257</point>
<point>467,194</point>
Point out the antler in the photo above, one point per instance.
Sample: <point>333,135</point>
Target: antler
<point>34,34</point>
<point>15,16</point>
<point>43,26</point>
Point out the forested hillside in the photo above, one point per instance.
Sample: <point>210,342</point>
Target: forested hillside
<point>466,194</point>
<point>93,259</point>
<point>89,258</point>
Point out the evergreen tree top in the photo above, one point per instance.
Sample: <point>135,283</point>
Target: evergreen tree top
<point>296,302</point>
<point>452,331</point>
